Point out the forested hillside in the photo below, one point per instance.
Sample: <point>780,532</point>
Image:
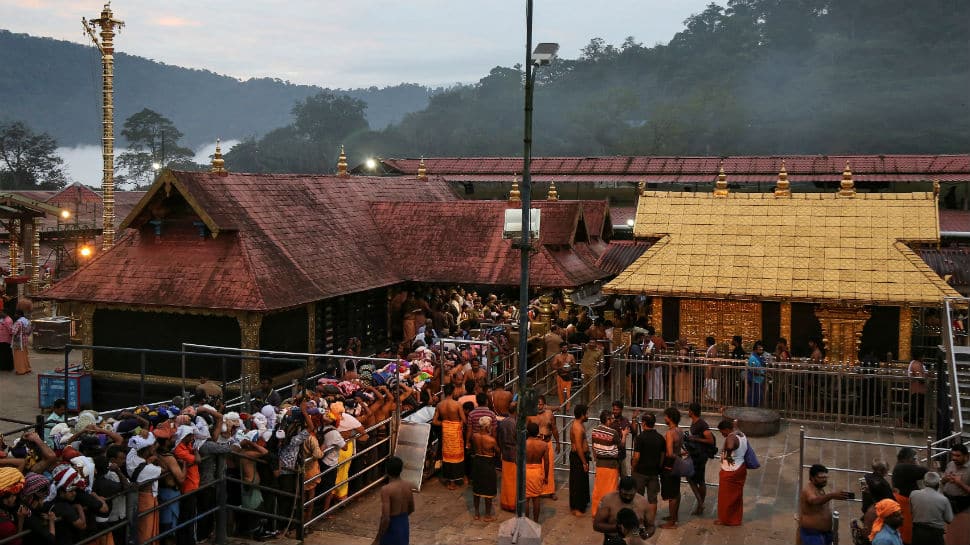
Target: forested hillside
<point>754,77</point>
<point>55,87</point>
<point>747,77</point>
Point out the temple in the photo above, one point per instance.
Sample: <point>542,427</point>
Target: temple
<point>787,264</point>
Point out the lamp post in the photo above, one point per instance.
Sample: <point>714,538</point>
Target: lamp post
<point>543,55</point>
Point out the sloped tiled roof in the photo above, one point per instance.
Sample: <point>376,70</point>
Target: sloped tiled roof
<point>620,254</point>
<point>461,242</point>
<point>661,169</point>
<point>809,247</point>
<point>598,219</point>
<point>953,261</point>
<point>300,238</point>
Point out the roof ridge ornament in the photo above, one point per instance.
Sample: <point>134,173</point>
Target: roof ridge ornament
<point>847,185</point>
<point>553,194</point>
<point>218,163</point>
<point>721,186</point>
<point>783,188</point>
<point>342,163</point>
<point>515,195</point>
<point>422,171</point>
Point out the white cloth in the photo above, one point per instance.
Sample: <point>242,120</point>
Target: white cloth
<point>150,472</point>
<point>332,442</point>
<point>137,442</point>
<point>184,431</point>
<point>737,457</point>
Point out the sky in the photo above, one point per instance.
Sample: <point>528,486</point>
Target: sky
<point>349,44</point>
<point>356,43</point>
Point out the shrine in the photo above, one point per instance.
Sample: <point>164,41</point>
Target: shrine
<point>784,264</point>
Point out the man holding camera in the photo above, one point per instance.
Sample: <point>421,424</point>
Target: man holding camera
<point>815,514</point>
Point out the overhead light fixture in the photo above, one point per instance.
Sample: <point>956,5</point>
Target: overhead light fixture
<point>629,222</point>
<point>65,214</point>
<point>544,53</point>
<point>156,165</point>
<point>371,164</point>
<point>85,251</point>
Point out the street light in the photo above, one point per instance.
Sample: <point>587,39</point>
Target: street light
<point>542,56</point>
<point>370,163</point>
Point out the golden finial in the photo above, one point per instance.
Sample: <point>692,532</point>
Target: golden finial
<point>514,195</point>
<point>422,172</point>
<point>721,187</point>
<point>847,186</point>
<point>218,163</point>
<point>553,194</point>
<point>641,187</point>
<point>342,163</point>
<point>936,187</point>
<point>783,189</point>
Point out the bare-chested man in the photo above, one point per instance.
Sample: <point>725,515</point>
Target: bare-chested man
<point>579,462</point>
<point>536,468</point>
<point>814,510</point>
<point>477,374</point>
<point>397,503</point>
<point>563,365</point>
<point>625,498</point>
<point>250,451</point>
<point>548,432</point>
<point>501,399</point>
<point>484,479</point>
<point>450,416</point>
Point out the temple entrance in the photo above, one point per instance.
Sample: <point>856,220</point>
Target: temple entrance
<point>804,326</point>
<point>880,336</point>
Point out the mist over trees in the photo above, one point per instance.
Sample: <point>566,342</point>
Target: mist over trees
<point>28,160</point>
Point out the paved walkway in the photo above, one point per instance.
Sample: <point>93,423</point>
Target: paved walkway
<point>444,516</point>
<point>18,394</point>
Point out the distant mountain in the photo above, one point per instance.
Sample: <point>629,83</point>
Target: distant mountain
<point>55,87</point>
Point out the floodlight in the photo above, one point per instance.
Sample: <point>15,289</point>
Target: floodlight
<point>371,164</point>
<point>544,53</point>
<point>630,222</point>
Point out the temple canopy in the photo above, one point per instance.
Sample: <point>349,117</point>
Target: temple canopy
<point>808,247</point>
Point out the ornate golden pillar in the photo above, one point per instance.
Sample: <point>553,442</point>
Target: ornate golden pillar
<point>785,322</point>
<point>905,333</point>
<point>249,325</point>
<point>311,343</point>
<point>14,246</point>
<point>842,329</point>
<point>541,327</point>
<point>657,313</point>
<point>35,257</point>
<point>86,317</point>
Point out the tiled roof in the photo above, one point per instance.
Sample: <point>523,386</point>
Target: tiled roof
<point>559,221</point>
<point>598,220</point>
<point>84,203</point>
<point>461,242</point>
<point>620,254</point>
<point>740,169</point>
<point>621,214</point>
<point>953,261</point>
<point>809,247</point>
<point>75,193</point>
<point>955,220</point>
<point>300,238</point>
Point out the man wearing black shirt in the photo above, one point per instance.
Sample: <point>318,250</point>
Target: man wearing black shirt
<point>906,477</point>
<point>622,426</point>
<point>648,455</point>
<point>71,504</point>
<point>702,447</point>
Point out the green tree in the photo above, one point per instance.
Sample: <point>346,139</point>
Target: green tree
<point>325,118</point>
<point>28,160</point>
<point>153,141</point>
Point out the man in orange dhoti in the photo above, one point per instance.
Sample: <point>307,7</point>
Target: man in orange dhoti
<point>506,436</point>
<point>536,468</point>
<point>606,452</point>
<point>451,418</point>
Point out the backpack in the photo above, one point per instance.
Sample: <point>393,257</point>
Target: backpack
<point>750,458</point>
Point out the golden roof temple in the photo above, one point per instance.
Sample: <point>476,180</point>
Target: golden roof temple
<point>722,254</point>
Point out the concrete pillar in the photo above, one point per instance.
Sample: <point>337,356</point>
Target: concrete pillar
<point>905,333</point>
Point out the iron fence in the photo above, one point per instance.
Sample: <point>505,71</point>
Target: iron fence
<point>833,393</point>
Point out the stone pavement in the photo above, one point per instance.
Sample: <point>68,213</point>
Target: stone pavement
<point>18,394</point>
<point>444,517</point>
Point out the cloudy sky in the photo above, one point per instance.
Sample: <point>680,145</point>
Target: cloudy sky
<point>355,43</point>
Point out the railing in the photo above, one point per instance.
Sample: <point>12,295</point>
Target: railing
<point>950,344</point>
<point>839,394</point>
